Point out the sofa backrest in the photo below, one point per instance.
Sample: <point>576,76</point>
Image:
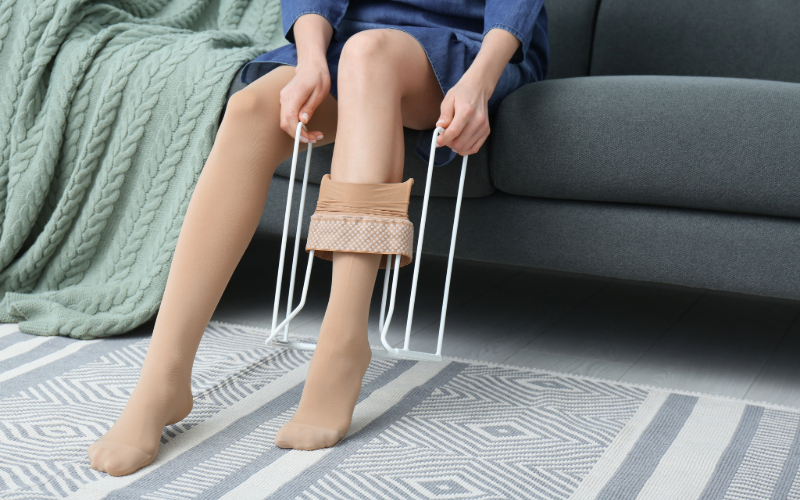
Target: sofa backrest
<point>569,26</point>
<point>727,38</point>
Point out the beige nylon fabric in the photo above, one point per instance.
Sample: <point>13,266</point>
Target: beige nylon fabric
<point>362,218</point>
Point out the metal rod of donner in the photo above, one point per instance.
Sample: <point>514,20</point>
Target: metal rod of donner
<point>297,240</point>
<point>385,316</point>
<point>418,253</point>
<point>452,254</point>
<point>286,217</point>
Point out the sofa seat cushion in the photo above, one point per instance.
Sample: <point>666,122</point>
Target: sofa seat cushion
<point>721,144</point>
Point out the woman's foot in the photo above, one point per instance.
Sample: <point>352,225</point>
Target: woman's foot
<point>340,360</point>
<point>132,442</point>
<point>329,396</point>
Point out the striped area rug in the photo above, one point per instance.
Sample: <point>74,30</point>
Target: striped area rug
<point>451,430</point>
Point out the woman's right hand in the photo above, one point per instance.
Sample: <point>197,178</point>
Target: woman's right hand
<point>301,96</point>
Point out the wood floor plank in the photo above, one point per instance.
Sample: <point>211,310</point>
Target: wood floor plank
<point>494,326</point>
<point>575,365</point>
<point>469,281</point>
<point>718,347</point>
<point>619,323</point>
<point>779,380</point>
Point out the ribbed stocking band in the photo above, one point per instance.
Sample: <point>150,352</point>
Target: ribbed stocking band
<point>362,218</point>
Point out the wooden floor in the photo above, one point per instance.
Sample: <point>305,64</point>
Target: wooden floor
<point>668,336</point>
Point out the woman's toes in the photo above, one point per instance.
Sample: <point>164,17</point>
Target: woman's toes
<point>96,458</point>
<point>118,459</point>
<point>306,437</point>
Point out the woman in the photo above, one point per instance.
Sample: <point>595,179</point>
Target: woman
<point>403,63</point>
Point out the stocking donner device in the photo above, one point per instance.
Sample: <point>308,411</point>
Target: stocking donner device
<point>385,316</point>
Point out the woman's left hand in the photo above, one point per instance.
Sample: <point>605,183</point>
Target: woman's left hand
<point>465,116</point>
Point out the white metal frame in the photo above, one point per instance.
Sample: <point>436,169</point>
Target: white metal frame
<point>385,316</point>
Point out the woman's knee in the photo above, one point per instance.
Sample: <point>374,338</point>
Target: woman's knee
<point>367,52</point>
<point>248,104</point>
<point>253,115</point>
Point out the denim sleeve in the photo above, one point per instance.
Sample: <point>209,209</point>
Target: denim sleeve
<point>518,17</point>
<point>332,10</point>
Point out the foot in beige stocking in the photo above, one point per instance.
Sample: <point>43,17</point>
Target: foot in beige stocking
<point>376,217</point>
<point>221,219</point>
<point>340,360</point>
<point>132,442</point>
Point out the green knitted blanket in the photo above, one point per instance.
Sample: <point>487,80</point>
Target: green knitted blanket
<point>108,110</point>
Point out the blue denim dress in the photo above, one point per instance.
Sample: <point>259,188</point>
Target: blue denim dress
<point>450,32</point>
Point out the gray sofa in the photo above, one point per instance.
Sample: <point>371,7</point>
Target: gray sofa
<point>663,146</point>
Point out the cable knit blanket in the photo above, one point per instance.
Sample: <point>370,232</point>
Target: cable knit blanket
<point>108,109</point>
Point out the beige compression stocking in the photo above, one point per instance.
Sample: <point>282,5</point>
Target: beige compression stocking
<point>354,225</point>
<point>220,221</point>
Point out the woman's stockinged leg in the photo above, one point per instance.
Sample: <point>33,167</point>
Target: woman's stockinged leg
<point>220,221</point>
<point>385,82</point>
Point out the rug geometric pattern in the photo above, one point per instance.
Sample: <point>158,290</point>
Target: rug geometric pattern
<point>490,433</point>
<point>456,429</point>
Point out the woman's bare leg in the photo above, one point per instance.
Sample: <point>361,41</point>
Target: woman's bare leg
<point>220,221</point>
<point>385,82</point>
